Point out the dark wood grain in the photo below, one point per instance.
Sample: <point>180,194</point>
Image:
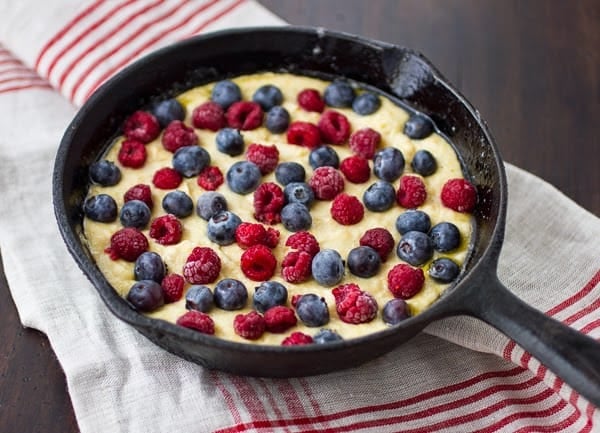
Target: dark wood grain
<point>532,69</point>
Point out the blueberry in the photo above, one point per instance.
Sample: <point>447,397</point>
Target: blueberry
<point>299,192</point>
<point>364,261</point>
<point>190,160</point>
<point>415,248</point>
<point>209,204</point>
<point>395,311</point>
<point>277,120</point>
<point>226,93</point>
<point>168,110</point>
<point>443,270</point>
<point>268,96</point>
<point>146,295</point>
<point>339,94</point>
<point>221,227</point>
<point>296,217</point>
<point>327,267</point>
<point>312,310</point>
<point>243,177</point>
<point>135,213</point>
<point>323,156</point>
<point>445,236</point>
<point>288,172</point>
<point>326,336</point>
<point>230,141</point>
<point>379,196</point>
<point>424,163</point>
<point>149,266</point>
<point>105,173</point>
<point>388,164</point>
<point>413,220</point>
<point>199,298</point>
<point>418,127</point>
<point>230,294</point>
<point>269,294</point>
<point>101,208</point>
<point>178,203</point>
<point>366,103</point>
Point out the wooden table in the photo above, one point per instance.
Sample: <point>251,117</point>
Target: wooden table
<point>531,67</point>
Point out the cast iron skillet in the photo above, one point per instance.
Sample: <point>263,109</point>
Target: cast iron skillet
<point>397,71</point>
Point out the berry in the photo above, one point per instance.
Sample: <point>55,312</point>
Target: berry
<point>140,192</point>
<point>339,94</point>
<point>101,208</point>
<point>268,96</point>
<point>363,261</point>
<point>334,127</point>
<point>243,177</point>
<point>299,192</point>
<point>297,339</point>
<point>365,142</point>
<point>323,156</point>
<point>127,244</point>
<point>388,164</point>
<point>230,141</point>
<point>418,127</point>
<point>354,305</point>
<point>459,195</point>
<point>208,115</point>
<point>280,319</point>
<point>277,120</point>
<point>265,157</point>
<point>225,93</point>
<point>146,295</point>
<point>178,135</point>
<point>311,100</point>
<point>413,220</point>
<point>411,192</point>
<point>202,266</point>
<point>132,153</point>
<point>172,286</point>
<point>222,226</point>
<point>167,111</point>
<point>230,294</point>
<point>325,336</point>
<point>311,309</point>
<point>199,298</point>
<point>404,281</point>
<point>209,204</point>
<point>141,126</point>
<point>244,115</point>
<point>424,163</point>
<point>105,173</point>
<point>296,267</point>
<point>166,230</point>
<point>210,178</point>
<point>304,134</point>
<point>356,169</point>
<point>366,103</point>
<point>250,234</point>
<point>135,213</point>
<point>327,267</point>
<point>443,270</point>
<point>166,178</point>
<point>296,217</point>
<point>303,241</point>
<point>380,240</point>
<point>379,196</point>
<point>288,172</point>
<point>197,321</point>
<point>415,248</point>
<point>189,161</point>
<point>326,183</point>
<point>250,326</point>
<point>395,311</point>
<point>269,294</point>
<point>149,266</point>
<point>347,209</point>
<point>268,203</point>
<point>445,236</point>
<point>178,203</point>
<point>258,263</point>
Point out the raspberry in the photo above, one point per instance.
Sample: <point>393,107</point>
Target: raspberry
<point>141,126</point>
<point>459,195</point>
<point>356,169</point>
<point>198,321</point>
<point>172,286</point>
<point>202,266</point>
<point>268,202</point>
<point>303,241</point>
<point>208,115</point>
<point>334,127</point>
<point>166,178</point>
<point>139,192</point>
<point>272,238</point>
<point>296,266</point>
<point>177,135</point>
<point>347,209</point>
<point>266,157</point>
<point>280,319</point>
<point>297,339</point>
<point>404,281</point>
<point>311,100</point>
<point>326,182</point>
<point>127,244</point>
<point>244,115</point>
<point>132,153</point>
<point>166,229</point>
<point>249,234</point>
<point>380,240</point>
<point>411,192</point>
<point>364,142</point>
<point>354,305</point>
<point>304,134</point>
<point>250,326</point>
<point>210,178</point>
<point>258,263</point>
